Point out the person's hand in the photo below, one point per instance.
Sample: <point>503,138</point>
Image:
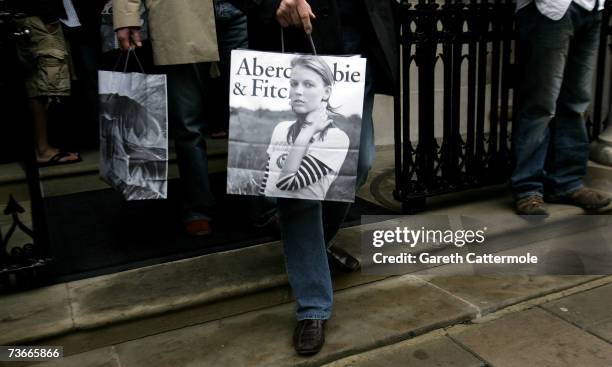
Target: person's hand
<point>295,12</point>
<point>52,27</point>
<point>129,37</point>
<point>318,119</point>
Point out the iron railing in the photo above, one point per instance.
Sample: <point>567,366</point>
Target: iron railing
<point>598,121</point>
<point>474,44</point>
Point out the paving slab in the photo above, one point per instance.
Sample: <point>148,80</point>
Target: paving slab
<point>534,337</point>
<point>590,310</point>
<point>103,357</point>
<point>392,310</point>
<point>439,352</point>
<point>493,292</point>
<point>35,313</point>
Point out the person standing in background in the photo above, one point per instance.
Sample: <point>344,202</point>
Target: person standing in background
<point>232,34</point>
<point>184,42</point>
<point>82,31</point>
<point>47,66</point>
<point>558,40</point>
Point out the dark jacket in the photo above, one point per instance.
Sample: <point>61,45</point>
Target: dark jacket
<point>49,11</point>
<point>380,40</point>
<point>89,13</point>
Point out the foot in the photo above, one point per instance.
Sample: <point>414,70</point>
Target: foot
<point>198,227</point>
<point>531,205</point>
<point>585,198</point>
<point>341,261</point>
<point>54,157</point>
<point>309,337</point>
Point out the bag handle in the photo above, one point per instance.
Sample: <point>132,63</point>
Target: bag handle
<point>131,51</point>
<point>308,35</point>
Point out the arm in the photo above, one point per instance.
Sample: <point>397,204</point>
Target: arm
<point>302,169</point>
<point>264,181</point>
<point>126,21</point>
<point>286,12</point>
<point>316,121</point>
<point>311,170</point>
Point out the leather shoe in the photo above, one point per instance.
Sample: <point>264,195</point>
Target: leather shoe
<point>198,227</point>
<point>309,336</point>
<point>341,261</point>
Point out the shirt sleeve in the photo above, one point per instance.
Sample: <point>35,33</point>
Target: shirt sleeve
<point>264,181</point>
<point>321,160</point>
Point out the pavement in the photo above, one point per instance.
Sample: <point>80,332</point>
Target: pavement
<point>402,321</point>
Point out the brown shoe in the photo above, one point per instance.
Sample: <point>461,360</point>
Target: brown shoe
<point>531,205</point>
<point>198,227</point>
<point>585,198</point>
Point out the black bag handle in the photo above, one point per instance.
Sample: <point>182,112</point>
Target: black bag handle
<point>130,51</point>
<point>308,35</point>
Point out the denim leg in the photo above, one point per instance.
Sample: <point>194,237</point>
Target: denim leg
<point>231,35</point>
<point>185,88</point>
<point>308,226</point>
<point>568,161</point>
<point>306,257</point>
<point>545,46</point>
<point>334,213</point>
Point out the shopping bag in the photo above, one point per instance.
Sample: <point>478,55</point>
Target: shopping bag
<point>134,134</point>
<point>295,125</point>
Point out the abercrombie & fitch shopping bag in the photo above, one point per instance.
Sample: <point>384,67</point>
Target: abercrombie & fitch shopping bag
<point>295,125</point>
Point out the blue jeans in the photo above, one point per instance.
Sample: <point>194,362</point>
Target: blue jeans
<point>559,64</point>
<point>194,98</point>
<point>231,25</point>
<point>186,86</point>
<point>307,226</point>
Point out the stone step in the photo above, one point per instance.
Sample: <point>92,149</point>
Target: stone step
<point>599,177</point>
<point>90,313</point>
<point>84,176</point>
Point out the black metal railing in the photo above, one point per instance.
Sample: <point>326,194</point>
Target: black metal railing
<point>473,43</point>
<point>598,121</point>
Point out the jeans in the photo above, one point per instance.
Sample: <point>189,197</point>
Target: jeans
<point>556,88</point>
<point>307,226</point>
<point>195,100</point>
<point>186,86</point>
<point>231,27</point>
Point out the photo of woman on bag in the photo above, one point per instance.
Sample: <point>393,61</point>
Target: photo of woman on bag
<point>305,155</point>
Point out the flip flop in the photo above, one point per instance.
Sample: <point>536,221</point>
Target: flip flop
<point>219,135</point>
<point>56,160</point>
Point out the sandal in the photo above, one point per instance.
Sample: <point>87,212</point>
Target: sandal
<point>56,160</point>
<point>221,134</point>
